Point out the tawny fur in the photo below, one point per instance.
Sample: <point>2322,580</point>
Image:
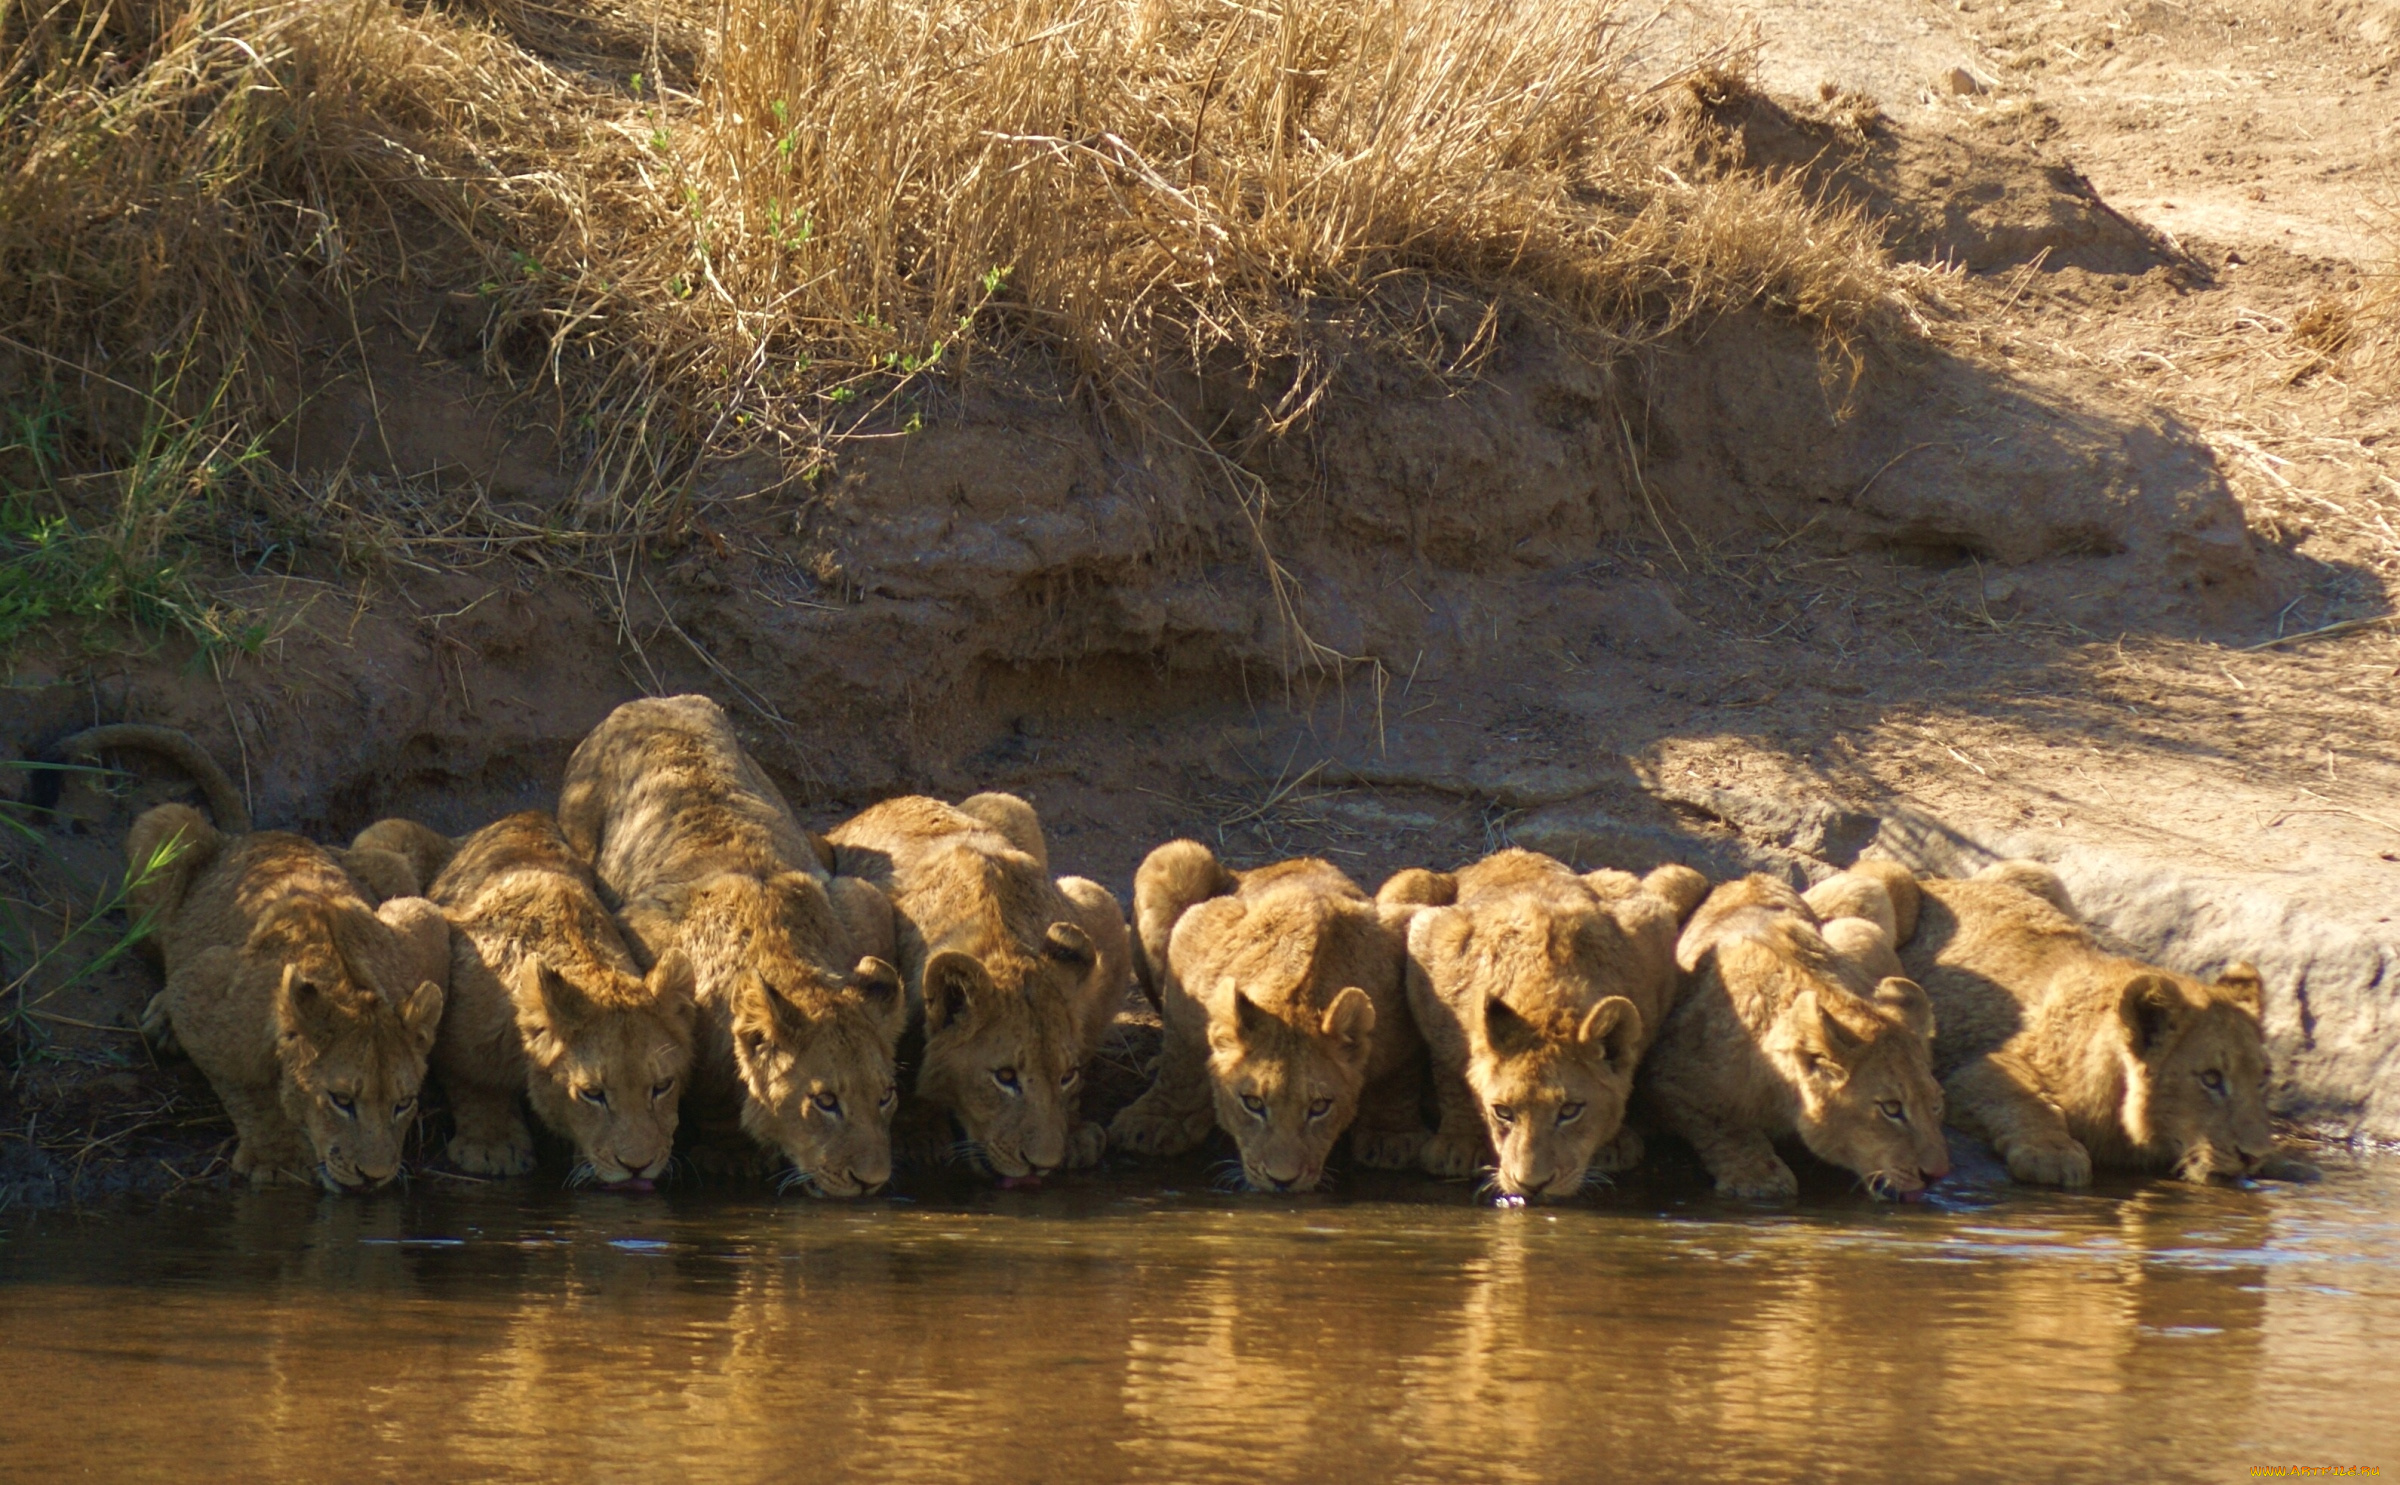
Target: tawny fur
<point>309,1009</point>
<point>1882,892</point>
<point>1538,991</point>
<point>1777,1036</point>
<point>798,1006</point>
<point>547,1005</point>
<point>1283,991</point>
<point>2064,1056</point>
<point>1012,977</point>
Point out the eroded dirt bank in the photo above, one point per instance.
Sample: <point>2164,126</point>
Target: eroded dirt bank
<point>1722,601</point>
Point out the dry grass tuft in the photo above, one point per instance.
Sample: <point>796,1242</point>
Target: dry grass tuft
<point>703,226</point>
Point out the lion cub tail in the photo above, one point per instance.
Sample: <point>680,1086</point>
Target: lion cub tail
<point>166,848</point>
<point>1172,880</point>
<point>225,802</point>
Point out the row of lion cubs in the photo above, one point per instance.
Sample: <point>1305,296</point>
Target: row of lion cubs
<point>675,951</point>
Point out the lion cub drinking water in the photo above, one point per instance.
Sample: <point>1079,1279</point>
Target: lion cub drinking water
<point>1013,977</point>
<point>797,1012</point>
<point>309,1009</point>
<point>1283,992</point>
<point>2063,1055</point>
<point>1538,991</point>
<point>1778,1034</point>
<point>547,1005</point>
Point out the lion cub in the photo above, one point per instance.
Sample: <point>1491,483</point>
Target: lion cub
<point>797,1010</point>
<point>1014,978</point>
<point>2063,1056</point>
<point>309,1009</point>
<point>1538,991</point>
<point>1778,1035</point>
<point>1284,995</point>
<point>547,1005</point>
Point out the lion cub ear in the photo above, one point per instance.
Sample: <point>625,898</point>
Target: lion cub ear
<point>1250,1021</point>
<point>1907,999</point>
<point>1068,944</point>
<point>757,1015</point>
<point>2242,986</point>
<point>878,985</point>
<point>1615,1026</point>
<point>954,983</point>
<point>1350,1020</point>
<point>673,985</point>
<point>2151,1008</point>
<point>421,1013</point>
<point>1505,1032</point>
<point>303,1008</point>
<point>1821,1039</point>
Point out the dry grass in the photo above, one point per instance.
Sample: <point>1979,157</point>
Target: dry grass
<point>694,228</point>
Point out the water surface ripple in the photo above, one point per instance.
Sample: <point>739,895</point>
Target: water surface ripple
<point>1104,1330</point>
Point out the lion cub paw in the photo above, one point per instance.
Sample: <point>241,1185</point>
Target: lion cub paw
<point>158,1028</point>
<point>1388,1149</point>
<point>1452,1155</point>
<point>1086,1143</point>
<point>509,1155</point>
<point>1140,1130</point>
<point>1769,1180</point>
<point>2056,1161</point>
<point>1622,1152</point>
<point>273,1164</point>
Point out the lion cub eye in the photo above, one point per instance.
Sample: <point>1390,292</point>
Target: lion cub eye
<point>1568,1113</point>
<point>1505,1113</point>
<point>831,1103</point>
<point>1255,1104</point>
<point>2213,1081</point>
<point>594,1095</point>
<point>343,1104</point>
<point>1070,1077</point>
<point>890,1097</point>
<point>1006,1077</point>
<point>404,1108</point>
<point>1893,1109</point>
<point>662,1088</point>
<point>1319,1108</point>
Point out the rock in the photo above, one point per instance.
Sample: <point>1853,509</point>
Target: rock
<point>1959,81</point>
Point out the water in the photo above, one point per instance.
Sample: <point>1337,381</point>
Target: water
<point>1106,1330</point>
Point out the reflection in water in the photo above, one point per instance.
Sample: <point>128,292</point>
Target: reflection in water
<point>1105,1332</point>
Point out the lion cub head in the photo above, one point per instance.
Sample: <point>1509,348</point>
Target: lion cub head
<point>1287,1085</point>
<point>2195,1068</point>
<point>1552,1088</point>
<point>1862,1068</point>
<point>607,1064</point>
<point>353,1027</point>
<point>1002,1049</point>
<point>813,1049</point>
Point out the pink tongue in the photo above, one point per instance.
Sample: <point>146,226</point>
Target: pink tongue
<point>630,1183</point>
<point>1020,1183</point>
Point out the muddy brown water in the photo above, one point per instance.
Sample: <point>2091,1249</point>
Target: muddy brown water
<point>1118,1328</point>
